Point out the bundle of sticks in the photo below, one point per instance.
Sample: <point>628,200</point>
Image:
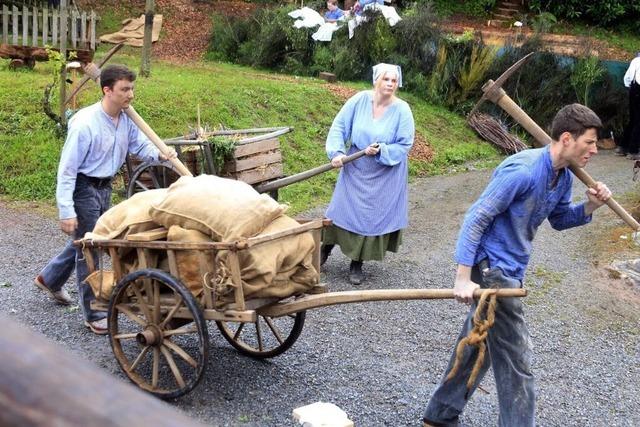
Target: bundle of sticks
<point>491,130</point>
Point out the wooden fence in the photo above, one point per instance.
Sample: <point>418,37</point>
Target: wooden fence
<point>38,27</point>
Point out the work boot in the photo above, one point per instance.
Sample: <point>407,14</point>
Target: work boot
<point>355,272</point>
<point>325,251</point>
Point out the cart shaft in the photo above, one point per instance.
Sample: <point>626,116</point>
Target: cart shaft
<point>335,298</point>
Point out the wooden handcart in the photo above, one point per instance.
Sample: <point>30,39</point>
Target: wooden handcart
<point>157,326</point>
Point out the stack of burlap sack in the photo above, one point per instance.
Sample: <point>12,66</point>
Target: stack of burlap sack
<point>212,209</point>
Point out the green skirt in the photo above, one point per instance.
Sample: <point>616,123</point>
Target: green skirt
<point>361,248</point>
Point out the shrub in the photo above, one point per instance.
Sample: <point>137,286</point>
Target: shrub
<point>228,35</point>
<point>586,72</point>
<point>470,7</point>
<point>597,11</point>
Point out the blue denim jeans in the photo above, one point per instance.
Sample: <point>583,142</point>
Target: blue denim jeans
<point>508,353</point>
<point>90,202</point>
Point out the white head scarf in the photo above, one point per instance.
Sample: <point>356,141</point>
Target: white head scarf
<point>382,68</point>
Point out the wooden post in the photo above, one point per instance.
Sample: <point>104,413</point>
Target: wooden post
<point>34,30</point>
<point>55,22</point>
<point>83,30</point>
<point>45,26</point>
<point>14,24</point>
<point>74,28</point>
<point>63,52</point>
<point>44,384</point>
<point>5,24</point>
<point>93,30</point>
<point>145,67</point>
<point>25,25</point>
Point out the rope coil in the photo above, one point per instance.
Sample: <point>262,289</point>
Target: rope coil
<point>477,336</point>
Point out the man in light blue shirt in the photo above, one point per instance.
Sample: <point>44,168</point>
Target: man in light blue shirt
<point>493,248</point>
<point>97,143</point>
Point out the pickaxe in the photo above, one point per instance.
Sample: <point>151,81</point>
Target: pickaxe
<point>493,92</point>
<point>93,72</point>
<point>99,64</point>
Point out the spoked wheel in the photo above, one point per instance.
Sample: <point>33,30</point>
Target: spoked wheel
<point>149,176</point>
<point>267,337</point>
<point>158,356</point>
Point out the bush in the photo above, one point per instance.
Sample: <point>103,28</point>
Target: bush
<point>596,11</point>
<point>446,70</point>
<point>228,36</point>
<point>471,7</point>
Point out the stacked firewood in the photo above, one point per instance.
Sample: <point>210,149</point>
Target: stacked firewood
<point>493,131</point>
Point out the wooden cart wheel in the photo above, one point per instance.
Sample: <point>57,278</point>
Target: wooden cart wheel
<point>149,176</point>
<point>267,337</point>
<point>163,359</point>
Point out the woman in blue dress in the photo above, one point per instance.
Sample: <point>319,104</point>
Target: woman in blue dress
<point>369,206</point>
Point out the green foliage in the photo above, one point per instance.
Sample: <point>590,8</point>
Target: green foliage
<point>596,11</point>
<point>586,72</point>
<point>230,95</point>
<point>475,69</point>
<point>481,8</point>
<point>228,35</point>
<point>461,64</point>
<point>544,22</point>
<point>221,150</point>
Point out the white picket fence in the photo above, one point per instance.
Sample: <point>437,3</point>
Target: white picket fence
<point>39,27</point>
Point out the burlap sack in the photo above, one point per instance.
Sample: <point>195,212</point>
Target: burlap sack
<point>224,209</point>
<point>279,268</point>
<point>128,217</point>
<point>102,283</point>
<point>188,262</point>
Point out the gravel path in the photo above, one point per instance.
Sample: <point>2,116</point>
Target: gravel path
<point>381,361</point>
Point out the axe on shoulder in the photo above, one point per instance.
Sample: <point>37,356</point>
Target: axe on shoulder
<point>493,92</point>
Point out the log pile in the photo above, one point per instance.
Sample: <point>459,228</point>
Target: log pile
<point>491,130</point>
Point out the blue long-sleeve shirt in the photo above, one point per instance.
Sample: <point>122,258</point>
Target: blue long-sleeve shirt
<point>96,147</point>
<point>502,223</point>
<point>333,15</point>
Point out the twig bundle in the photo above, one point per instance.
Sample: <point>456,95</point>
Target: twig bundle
<point>491,130</point>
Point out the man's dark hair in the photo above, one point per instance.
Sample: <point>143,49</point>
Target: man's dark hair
<point>576,119</point>
<point>112,73</point>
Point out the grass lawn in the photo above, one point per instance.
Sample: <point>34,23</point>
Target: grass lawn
<point>229,95</point>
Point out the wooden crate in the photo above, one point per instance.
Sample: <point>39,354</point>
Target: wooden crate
<point>255,162</point>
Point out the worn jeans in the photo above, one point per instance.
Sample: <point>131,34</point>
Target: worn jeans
<point>90,202</point>
<point>508,353</point>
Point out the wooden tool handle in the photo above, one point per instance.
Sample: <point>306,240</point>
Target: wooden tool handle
<point>283,182</point>
<point>514,110</point>
<point>164,149</point>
